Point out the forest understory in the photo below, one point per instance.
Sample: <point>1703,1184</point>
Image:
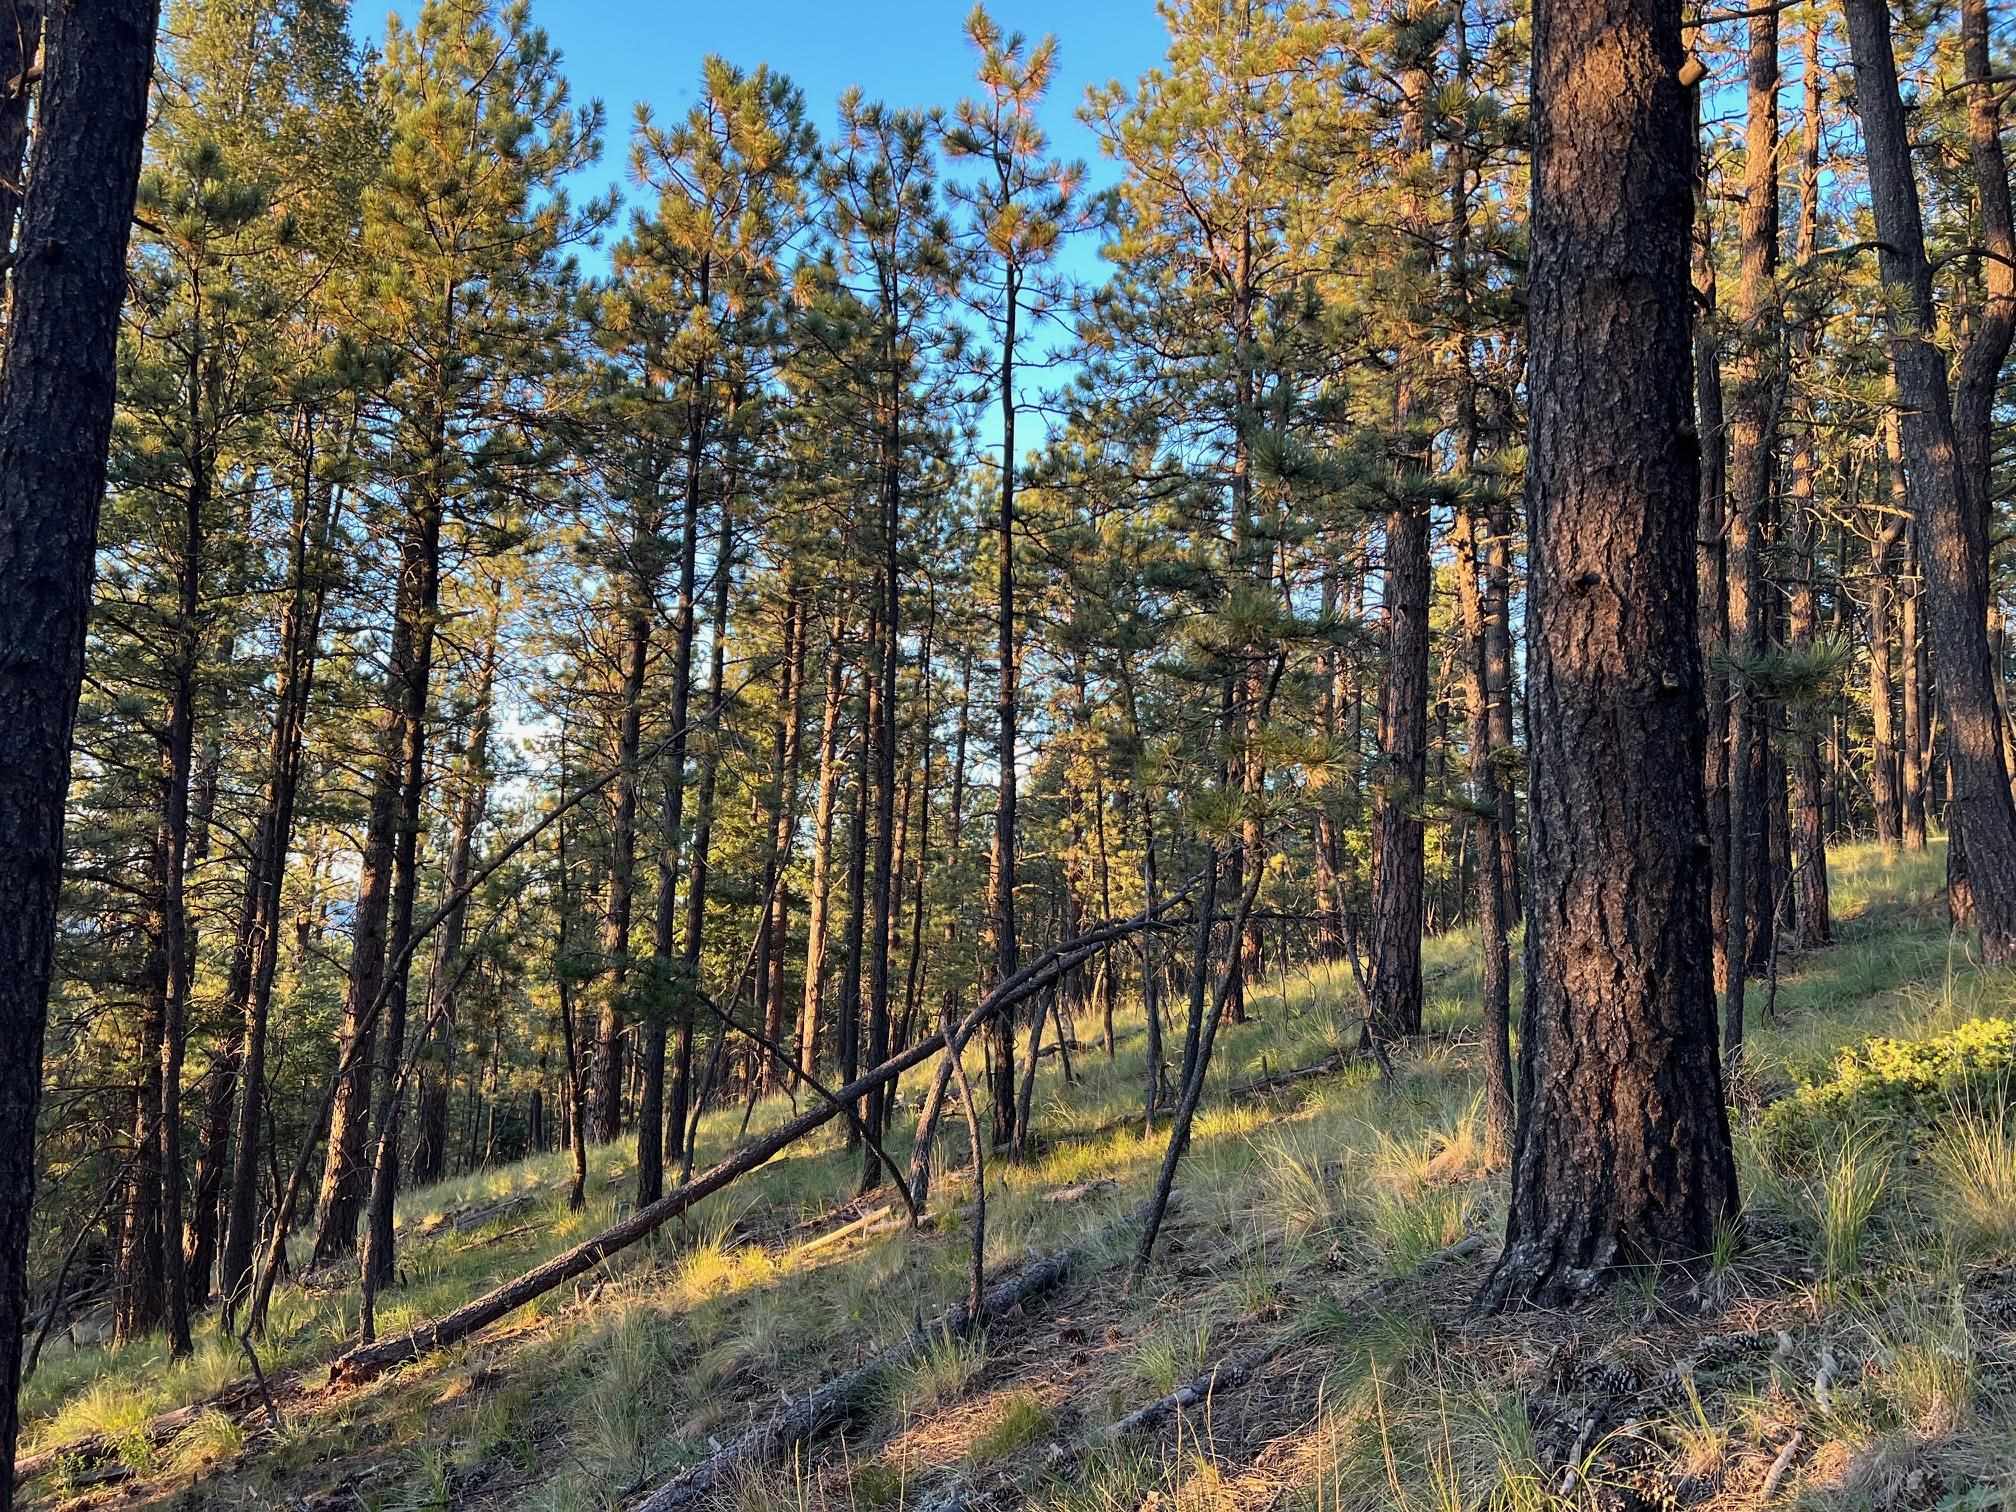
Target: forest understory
<point>1852,1344</point>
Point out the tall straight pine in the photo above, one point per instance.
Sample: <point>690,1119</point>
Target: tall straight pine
<point>1623,1151</point>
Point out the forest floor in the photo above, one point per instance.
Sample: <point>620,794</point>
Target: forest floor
<point>1854,1345</point>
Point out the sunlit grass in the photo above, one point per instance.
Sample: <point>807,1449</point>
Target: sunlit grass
<point>1293,1202</point>
<point>1972,1171</point>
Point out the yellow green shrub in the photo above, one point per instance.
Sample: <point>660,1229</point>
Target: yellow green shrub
<point>1905,1086</point>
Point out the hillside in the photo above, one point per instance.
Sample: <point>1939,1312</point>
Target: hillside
<point>1852,1347</point>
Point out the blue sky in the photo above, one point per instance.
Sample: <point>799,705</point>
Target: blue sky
<point>908,52</point>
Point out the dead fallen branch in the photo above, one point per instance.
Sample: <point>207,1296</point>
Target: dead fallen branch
<point>1236,1370</point>
<point>846,1230</point>
<point>818,1410</point>
<point>1330,1065</point>
<point>366,1361</point>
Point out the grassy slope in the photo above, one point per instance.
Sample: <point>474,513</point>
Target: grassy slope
<point>1293,1203</point>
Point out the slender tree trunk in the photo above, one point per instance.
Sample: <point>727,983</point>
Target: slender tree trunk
<point>1808,786</point>
<point>1711,554</point>
<point>619,910</point>
<point>608,1082</point>
<point>1753,449</point>
<point>1493,919</point>
<point>788,744</point>
<point>422,562</point>
<point>20,43</point>
<point>650,1177</point>
<point>1913,747</point>
<point>818,907</point>
<point>1398,877</point>
<point>430,1158</point>
<point>1001,873</point>
<point>882,732</point>
<point>256,949</point>
<point>857,893</point>
<point>1623,1152</point>
<point>1883,763</point>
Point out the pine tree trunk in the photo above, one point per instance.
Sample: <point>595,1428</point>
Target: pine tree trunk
<point>1493,918</point>
<point>882,723</point>
<point>818,908</point>
<point>20,37</point>
<point>255,951</point>
<point>1001,874</point>
<point>1711,556</point>
<point>608,1101</point>
<point>1623,1152</point>
<point>1945,446</point>
<point>1398,876</point>
<point>1752,477</point>
<point>420,562</point>
<point>788,744</point>
<point>650,1178</point>
<point>1912,742</point>
<point>56,399</point>
<point>620,905</point>
<point>1808,784</point>
<point>1883,743</point>
<point>430,1155</point>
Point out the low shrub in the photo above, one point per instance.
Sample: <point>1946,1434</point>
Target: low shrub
<point>1903,1087</point>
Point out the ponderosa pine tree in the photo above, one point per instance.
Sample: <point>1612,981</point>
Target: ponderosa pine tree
<point>1623,1153</point>
<point>703,268</point>
<point>465,234</point>
<point>56,400</point>
<point>877,310</point>
<point>1944,492</point>
<point>1023,204</point>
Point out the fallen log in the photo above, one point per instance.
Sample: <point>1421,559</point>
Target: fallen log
<point>1236,1370</point>
<point>237,1400</point>
<point>819,1409</point>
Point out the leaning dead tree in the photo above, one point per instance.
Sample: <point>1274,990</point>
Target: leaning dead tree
<point>362,1363</point>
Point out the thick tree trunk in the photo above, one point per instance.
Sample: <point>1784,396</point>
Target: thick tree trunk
<point>1945,462</point>
<point>56,398</point>
<point>1623,1152</point>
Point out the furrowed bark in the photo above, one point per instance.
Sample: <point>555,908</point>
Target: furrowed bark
<point>1623,1151</point>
